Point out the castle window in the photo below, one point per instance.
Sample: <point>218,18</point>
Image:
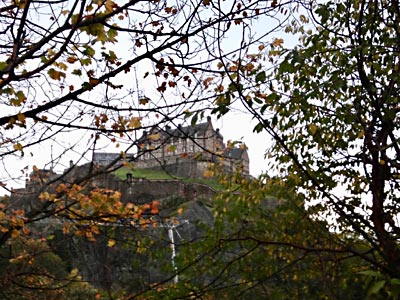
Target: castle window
<point>184,147</point>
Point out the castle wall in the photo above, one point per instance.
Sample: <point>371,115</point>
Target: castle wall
<point>140,191</point>
<point>176,165</point>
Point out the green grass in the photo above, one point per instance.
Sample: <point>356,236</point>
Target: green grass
<point>160,175</point>
<point>143,173</point>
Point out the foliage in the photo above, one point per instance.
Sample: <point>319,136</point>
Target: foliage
<point>331,107</point>
<point>31,270</point>
<point>263,245</point>
<point>78,76</point>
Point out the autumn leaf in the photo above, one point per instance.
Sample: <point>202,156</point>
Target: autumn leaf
<point>154,136</point>
<point>72,59</point>
<point>208,174</point>
<point>18,147</point>
<point>313,128</point>
<point>144,101</point>
<point>15,233</point>
<point>20,98</point>
<point>21,118</point>
<point>56,75</point>
<point>138,43</point>
<point>154,207</point>
<point>94,81</point>
<point>135,122</point>
<point>111,5</point>
<point>277,42</point>
<point>111,243</point>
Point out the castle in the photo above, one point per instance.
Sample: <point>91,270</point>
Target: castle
<point>184,151</point>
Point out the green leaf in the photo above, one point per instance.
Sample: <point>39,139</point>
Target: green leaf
<point>56,75</point>
<point>3,65</point>
<point>260,77</point>
<point>395,281</point>
<point>89,51</point>
<point>194,119</point>
<point>286,67</point>
<point>370,273</point>
<point>376,287</point>
<point>258,128</point>
<point>112,34</point>
<point>86,61</point>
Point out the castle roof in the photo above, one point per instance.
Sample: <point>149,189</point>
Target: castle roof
<point>191,131</point>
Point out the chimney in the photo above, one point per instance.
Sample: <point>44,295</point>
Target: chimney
<point>208,119</point>
<point>71,164</point>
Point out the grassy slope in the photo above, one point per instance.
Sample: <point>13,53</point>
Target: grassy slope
<point>159,175</point>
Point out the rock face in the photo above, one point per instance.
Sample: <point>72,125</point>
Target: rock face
<point>142,256</point>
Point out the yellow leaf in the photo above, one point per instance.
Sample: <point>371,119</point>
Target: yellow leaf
<point>21,118</point>
<point>208,174</point>
<point>17,259</point>
<point>110,5</point>
<point>313,128</point>
<point>180,211</point>
<point>15,234</point>
<point>62,66</point>
<point>277,42</point>
<point>18,147</point>
<point>154,136</point>
<point>111,243</point>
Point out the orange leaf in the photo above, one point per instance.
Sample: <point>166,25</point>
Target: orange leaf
<point>154,207</point>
